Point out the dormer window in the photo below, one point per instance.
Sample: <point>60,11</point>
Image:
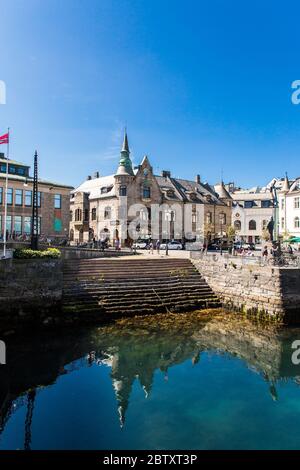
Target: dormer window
<point>170,193</point>
<point>105,189</point>
<point>193,196</point>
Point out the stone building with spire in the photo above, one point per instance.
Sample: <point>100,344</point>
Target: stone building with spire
<point>104,207</point>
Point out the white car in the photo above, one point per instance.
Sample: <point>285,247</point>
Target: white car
<point>172,246</point>
<point>140,245</point>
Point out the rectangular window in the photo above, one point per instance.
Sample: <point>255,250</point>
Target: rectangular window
<point>39,199</point>
<point>18,225</point>
<point>296,202</point>
<point>3,168</point>
<point>57,225</point>
<point>1,196</point>
<point>18,197</point>
<point>10,193</point>
<point>94,213</point>
<point>39,225</point>
<point>282,222</point>
<point>12,169</point>
<point>248,204</point>
<point>21,171</point>
<point>146,192</point>
<point>282,204</point>
<point>27,225</point>
<point>123,191</point>
<point>28,198</point>
<point>265,204</point>
<point>8,224</point>
<point>57,201</point>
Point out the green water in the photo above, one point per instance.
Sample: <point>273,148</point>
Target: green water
<point>164,382</point>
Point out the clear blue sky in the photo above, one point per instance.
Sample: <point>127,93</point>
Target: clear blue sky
<point>201,85</point>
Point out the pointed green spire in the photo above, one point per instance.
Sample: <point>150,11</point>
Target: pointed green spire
<point>125,164</point>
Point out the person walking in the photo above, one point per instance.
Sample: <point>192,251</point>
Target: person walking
<point>265,254</point>
<point>158,247</point>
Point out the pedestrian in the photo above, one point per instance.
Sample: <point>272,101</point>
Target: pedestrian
<point>265,253</point>
<point>158,247</point>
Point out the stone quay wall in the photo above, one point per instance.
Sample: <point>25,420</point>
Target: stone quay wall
<point>244,284</point>
<point>30,290</point>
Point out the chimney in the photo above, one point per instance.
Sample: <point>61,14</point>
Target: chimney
<point>89,178</point>
<point>166,174</point>
<point>198,179</point>
<point>96,174</point>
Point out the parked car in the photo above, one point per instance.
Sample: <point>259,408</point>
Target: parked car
<point>140,244</point>
<point>174,245</point>
<point>246,246</point>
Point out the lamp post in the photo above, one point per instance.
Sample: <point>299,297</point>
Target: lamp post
<point>35,215</point>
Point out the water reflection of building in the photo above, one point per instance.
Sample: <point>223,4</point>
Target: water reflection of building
<point>136,354</point>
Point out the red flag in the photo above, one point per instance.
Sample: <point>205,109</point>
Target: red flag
<point>4,139</point>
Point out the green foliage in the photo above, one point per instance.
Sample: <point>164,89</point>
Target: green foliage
<point>27,253</point>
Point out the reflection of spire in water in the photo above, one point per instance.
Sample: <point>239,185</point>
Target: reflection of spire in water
<point>28,421</point>
<point>122,390</point>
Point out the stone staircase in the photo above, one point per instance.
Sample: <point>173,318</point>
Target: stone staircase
<point>124,287</point>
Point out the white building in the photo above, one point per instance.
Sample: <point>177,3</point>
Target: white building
<point>252,210</point>
<point>289,208</point>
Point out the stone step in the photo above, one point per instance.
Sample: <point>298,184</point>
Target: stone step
<point>140,306</point>
<point>127,285</point>
<point>166,290</point>
<point>108,300</point>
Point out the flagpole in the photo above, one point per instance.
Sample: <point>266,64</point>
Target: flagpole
<point>5,207</point>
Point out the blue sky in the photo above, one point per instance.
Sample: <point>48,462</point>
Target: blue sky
<point>201,85</point>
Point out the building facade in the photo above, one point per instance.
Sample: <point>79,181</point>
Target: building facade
<point>252,210</point>
<point>136,202</point>
<point>289,208</point>
<point>53,204</point>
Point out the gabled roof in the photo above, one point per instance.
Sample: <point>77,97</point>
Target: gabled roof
<point>93,187</point>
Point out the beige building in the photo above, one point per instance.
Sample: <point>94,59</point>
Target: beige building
<point>53,202</point>
<point>134,202</point>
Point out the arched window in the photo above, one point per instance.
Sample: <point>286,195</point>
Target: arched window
<point>107,212</point>
<point>237,225</point>
<point>297,222</point>
<point>252,225</point>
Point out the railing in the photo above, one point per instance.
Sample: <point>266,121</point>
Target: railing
<point>283,260</point>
